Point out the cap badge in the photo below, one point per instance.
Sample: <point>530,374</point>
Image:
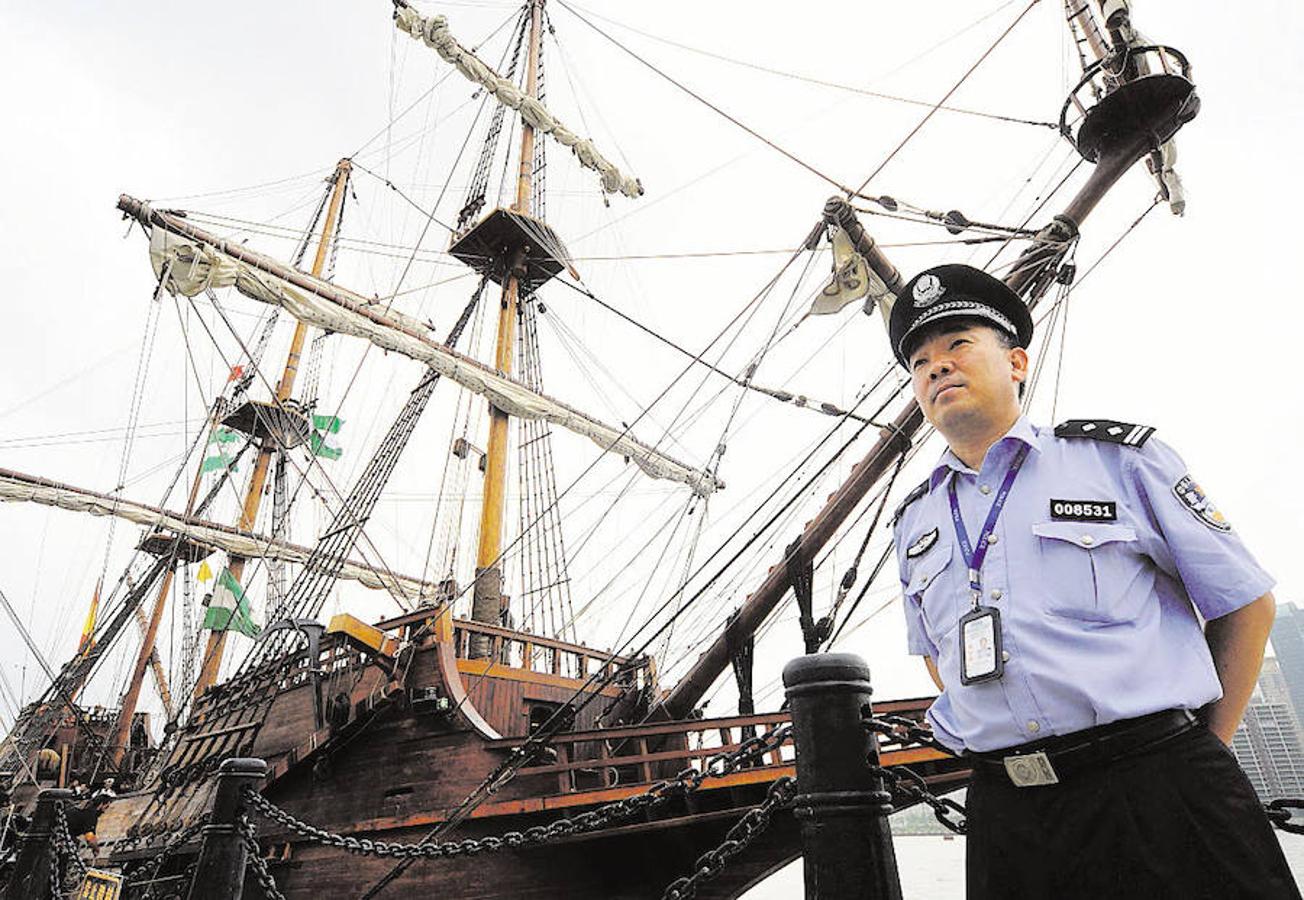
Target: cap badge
<point>927,291</point>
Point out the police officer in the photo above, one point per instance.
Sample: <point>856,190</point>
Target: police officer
<point>1056,583</point>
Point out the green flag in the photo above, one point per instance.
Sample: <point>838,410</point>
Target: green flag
<point>229,608</point>
<point>223,436</point>
<point>327,424</point>
<point>317,441</point>
<point>218,461</point>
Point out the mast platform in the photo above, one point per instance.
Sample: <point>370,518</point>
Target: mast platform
<point>159,543</point>
<point>489,245</point>
<point>1157,98</point>
<point>281,424</point>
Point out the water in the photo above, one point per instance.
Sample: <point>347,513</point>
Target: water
<point>932,868</point>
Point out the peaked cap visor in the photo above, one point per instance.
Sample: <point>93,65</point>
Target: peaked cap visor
<point>953,290</point>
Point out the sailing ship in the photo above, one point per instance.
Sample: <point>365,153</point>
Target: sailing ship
<point>473,712</point>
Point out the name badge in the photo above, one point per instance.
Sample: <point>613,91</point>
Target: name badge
<point>1084,510</point>
<point>980,646</point>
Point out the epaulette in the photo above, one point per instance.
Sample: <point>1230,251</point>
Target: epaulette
<point>1124,433</point>
<point>911,497</point>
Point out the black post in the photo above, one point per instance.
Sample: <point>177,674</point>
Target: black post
<point>31,877</point>
<point>846,838</point>
<point>220,871</point>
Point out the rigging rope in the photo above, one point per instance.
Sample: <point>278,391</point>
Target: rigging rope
<point>746,383</point>
<point>849,577</point>
<point>538,481</point>
<point>831,84</point>
<point>479,184</point>
<point>440,80</point>
<point>947,96</point>
<point>713,107</point>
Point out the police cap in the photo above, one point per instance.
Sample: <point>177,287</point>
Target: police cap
<point>944,292</point>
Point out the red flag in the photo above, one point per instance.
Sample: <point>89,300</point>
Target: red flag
<point>236,372</point>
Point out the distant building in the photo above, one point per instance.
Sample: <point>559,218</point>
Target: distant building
<point>1288,645</point>
<point>1268,745</point>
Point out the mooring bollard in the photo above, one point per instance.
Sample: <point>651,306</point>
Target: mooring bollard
<point>31,875</point>
<point>843,808</point>
<point>220,871</point>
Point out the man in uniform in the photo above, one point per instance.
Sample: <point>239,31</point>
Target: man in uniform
<point>1056,583</point>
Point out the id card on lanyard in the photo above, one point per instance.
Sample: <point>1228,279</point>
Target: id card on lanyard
<point>980,629</point>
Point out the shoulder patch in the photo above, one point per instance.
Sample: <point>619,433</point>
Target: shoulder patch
<point>915,493</point>
<point>1108,430</point>
<point>1194,499</point>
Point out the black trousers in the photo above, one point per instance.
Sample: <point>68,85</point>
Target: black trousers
<point>1178,821</point>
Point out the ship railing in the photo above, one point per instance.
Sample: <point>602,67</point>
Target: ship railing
<point>642,754</point>
<point>544,655</point>
<point>284,673</point>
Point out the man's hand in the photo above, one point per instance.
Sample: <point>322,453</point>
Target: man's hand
<point>1236,641</point>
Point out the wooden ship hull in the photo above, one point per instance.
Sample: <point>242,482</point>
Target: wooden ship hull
<point>422,727</point>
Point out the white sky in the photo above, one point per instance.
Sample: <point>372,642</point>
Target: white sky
<point>1189,325</point>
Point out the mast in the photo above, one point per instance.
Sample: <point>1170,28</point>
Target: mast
<point>487,597</point>
<point>212,660</point>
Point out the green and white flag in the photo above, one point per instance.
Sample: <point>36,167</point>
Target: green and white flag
<point>217,461</point>
<point>318,442</point>
<point>229,608</point>
<point>327,424</point>
<point>223,436</point>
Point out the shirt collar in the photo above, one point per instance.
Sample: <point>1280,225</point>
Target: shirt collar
<point>1022,431</point>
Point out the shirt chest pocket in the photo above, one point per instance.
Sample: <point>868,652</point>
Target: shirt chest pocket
<point>1091,570</point>
<point>932,588</point>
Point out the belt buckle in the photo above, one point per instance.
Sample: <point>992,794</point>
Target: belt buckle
<point>1030,770</point>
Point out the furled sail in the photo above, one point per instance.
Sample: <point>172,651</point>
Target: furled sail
<point>195,261</point>
<point>853,278</point>
<point>16,487</point>
<point>434,32</point>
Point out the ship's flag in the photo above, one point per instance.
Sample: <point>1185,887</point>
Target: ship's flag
<point>229,608</point>
<point>218,460</point>
<point>327,424</point>
<point>205,573</point>
<point>87,641</point>
<point>236,373</point>
<point>223,436</point>
<point>321,443</point>
<point>323,448</point>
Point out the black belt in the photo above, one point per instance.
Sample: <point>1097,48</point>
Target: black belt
<point>1054,759</point>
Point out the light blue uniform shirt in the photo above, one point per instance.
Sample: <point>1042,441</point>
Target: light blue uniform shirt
<point>1099,618</point>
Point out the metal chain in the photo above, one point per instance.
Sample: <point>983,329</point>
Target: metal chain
<point>900,730</point>
<point>907,786</point>
<point>1279,813</point>
<point>56,869</point>
<point>687,781</point>
<point>755,821</point>
<point>62,852</point>
<point>249,837</point>
<point>69,844</point>
<point>151,870</point>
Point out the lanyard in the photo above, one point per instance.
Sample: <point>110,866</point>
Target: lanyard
<point>974,558</point>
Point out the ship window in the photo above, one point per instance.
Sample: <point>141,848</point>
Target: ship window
<point>540,713</point>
